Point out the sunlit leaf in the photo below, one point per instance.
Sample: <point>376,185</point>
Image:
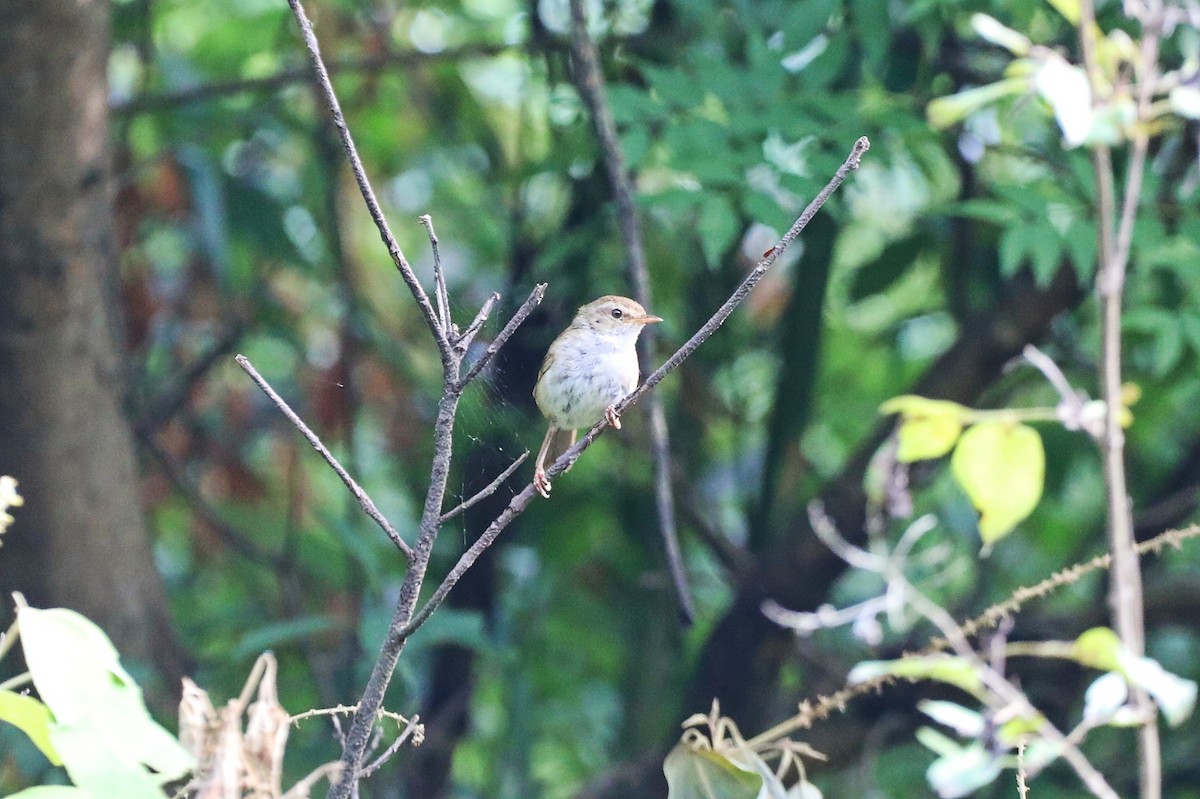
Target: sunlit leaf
<point>1099,648</point>
<point>946,111</point>
<point>996,32</point>
<point>32,718</point>
<point>704,774</point>
<point>1174,695</point>
<point>1001,465</point>
<point>928,428</point>
<point>1066,88</point>
<point>102,730</point>
<point>964,721</point>
<point>1068,8</point>
<point>940,667</point>
<point>964,772</point>
<point>1185,101</point>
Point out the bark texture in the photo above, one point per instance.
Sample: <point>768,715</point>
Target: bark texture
<point>80,540</point>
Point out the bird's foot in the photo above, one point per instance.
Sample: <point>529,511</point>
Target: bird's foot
<point>613,418</point>
<point>541,482</point>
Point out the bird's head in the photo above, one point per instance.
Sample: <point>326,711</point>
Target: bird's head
<point>615,316</point>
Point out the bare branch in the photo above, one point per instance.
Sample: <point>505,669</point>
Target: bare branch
<point>521,501</point>
<point>486,492</point>
<point>364,185</point>
<point>1125,584</point>
<point>464,341</point>
<point>393,748</point>
<point>589,79</point>
<point>535,297</point>
<point>364,501</point>
<point>439,281</point>
<point>568,458</point>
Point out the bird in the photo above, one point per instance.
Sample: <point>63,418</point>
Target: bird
<point>589,368</point>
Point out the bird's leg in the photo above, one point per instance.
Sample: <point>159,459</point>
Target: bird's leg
<point>570,444</point>
<point>613,418</point>
<point>540,481</point>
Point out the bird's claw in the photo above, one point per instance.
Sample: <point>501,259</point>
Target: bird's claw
<point>613,418</point>
<point>541,482</point>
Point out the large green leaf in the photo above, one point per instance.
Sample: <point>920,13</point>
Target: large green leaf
<point>705,774</point>
<point>1002,467</point>
<point>32,718</point>
<point>101,730</point>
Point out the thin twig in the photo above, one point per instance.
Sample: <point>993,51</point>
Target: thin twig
<point>439,281</point>
<point>364,186</point>
<point>821,707</point>
<point>486,492</point>
<point>364,500</point>
<point>392,749</point>
<point>463,343</point>
<point>531,302</point>
<point>590,81</point>
<point>517,505</point>
<point>1125,586</point>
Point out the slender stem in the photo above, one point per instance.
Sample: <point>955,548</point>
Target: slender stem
<point>439,281</point>
<point>590,81</point>
<point>487,491</point>
<point>364,185</point>
<point>1125,591</point>
<point>364,501</point>
<point>468,335</point>
<point>531,302</point>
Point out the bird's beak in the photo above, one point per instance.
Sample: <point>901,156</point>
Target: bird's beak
<point>648,319</point>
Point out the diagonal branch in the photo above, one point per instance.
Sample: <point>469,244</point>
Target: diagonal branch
<point>486,491</point>
<point>463,342</point>
<point>365,501</point>
<point>521,501</point>
<point>590,80</point>
<point>364,186</point>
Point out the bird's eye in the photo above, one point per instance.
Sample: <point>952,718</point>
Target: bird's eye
<point>616,313</point>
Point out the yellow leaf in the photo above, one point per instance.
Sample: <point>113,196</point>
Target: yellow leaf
<point>1002,466</point>
<point>928,428</point>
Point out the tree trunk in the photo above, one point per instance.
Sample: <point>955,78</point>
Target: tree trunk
<point>80,540</point>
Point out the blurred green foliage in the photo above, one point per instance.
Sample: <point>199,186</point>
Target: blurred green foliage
<point>562,658</point>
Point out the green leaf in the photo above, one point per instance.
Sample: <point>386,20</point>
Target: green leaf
<point>1174,695</point>
<point>940,667</point>
<point>946,111</point>
<point>704,774</point>
<point>102,730</point>
<point>928,428</point>
<point>963,772</point>
<point>32,718</point>
<point>992,30</point>
<point>1001,466</point>
<point>1099,648</point>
